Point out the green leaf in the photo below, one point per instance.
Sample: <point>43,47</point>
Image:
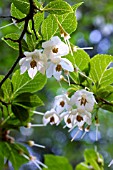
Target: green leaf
<point>50,25</point>
<point>58,7</point>
<point>82,166</point>
<point>107,77</point>
<point>68,22</point>
<point>23,83</point>
<point>99,71</point>
<point>107,107</point>
<point>106,92</point>
<point>38,4</point>
<point>17,14</point>
<point>11,43</point>
<point>21,5</point>
<point>21,113</point>
<point>76,6</point>
<point>1,159</point>
<point>31,41</point>
<point>57,163</point>
<point>38,19</point>
<point>28,99</point>
<point>80,59</point>
<point>6,89</point>
<point>94,159</point>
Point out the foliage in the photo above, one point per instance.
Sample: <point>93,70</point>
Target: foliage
<point>19,93</point>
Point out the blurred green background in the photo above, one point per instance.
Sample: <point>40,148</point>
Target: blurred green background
<point>95,29</point>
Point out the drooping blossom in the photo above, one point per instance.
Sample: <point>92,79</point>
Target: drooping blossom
<point>83,99</point>
<point>51,117</point>
<point>33,62</point>
<point>61,103</point>
<point>55,69</point>
<point>78,117</point>
<point>55,48</point>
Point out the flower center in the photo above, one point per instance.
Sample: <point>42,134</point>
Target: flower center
<point>83,101</point>
<point>58,67</point>
<point>62,103</point>
<point>55,50</point>
<point>52,119</point>
<point>79,118</point>
<point>68,120</point>
<point>33,64</point>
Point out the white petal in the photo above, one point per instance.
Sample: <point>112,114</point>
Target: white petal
<point>52,42</point>
<point>66,64</point>
<point>45,120</point>
<point>22,60</point>
<point>56,119</point>
<point>32,72</point>
<point>23,69</point>
<point>89,107</point>
<point>49,113</point>
<point>56,74</point>
<point>49,71</point>
<point>59,109</point>
<point>72,100</point>
<point>55,60</point>
<point>69,125</point>
<point>28,54</point>
<point>63,49</point>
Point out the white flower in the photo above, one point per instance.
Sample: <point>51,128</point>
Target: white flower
<point>33,62</point>
<point>77,117</point>
<point>70,120</point>
<point>83,116</point>
<point>83,100</point>
<point>55,48</point>
<point>61,103</point>
<point>51,117</point>
<point>56,69</point>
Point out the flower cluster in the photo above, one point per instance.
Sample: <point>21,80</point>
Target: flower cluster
<point>47,60</point>
<point>75,111</point>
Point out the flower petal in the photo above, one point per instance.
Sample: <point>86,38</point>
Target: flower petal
<point>22,60</point>
<point>32,72</point>
<point>56,74</point>
<point>66,64</point>
<point>49,71</point>
<point>23,69</point>
<point>52,42</point>
<point>63,49</point>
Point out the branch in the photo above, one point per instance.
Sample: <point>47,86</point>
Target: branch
<point>26,20</point>
<point>105,102</point>
<point>10,71</point>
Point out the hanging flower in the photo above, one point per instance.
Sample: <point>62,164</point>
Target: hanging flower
<point>33,62</point>
<point>83,100</point>
<point>56,69</point>
<point>70,119</point>
<point>77,117</point>
<point>55,48</point>
<point>61,103</point>
<point>51,117</point>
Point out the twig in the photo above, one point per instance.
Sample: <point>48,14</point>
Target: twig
<point>26,20</point>
<point>105,101</point>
